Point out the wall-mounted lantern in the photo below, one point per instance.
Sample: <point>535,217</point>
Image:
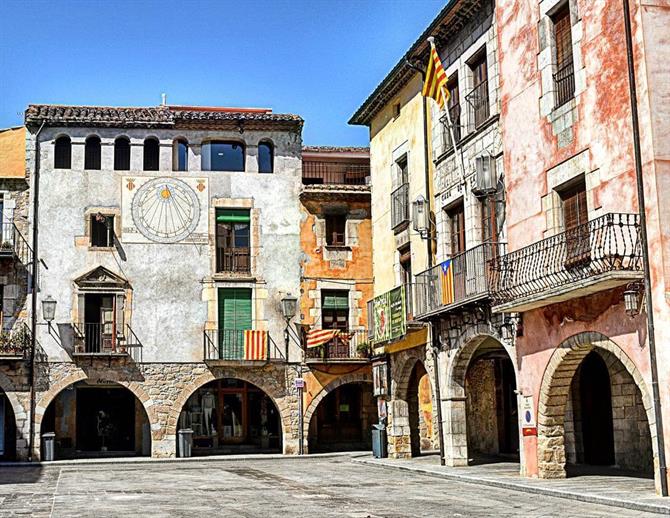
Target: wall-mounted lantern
<point>632,299</point>
<point>49,309</point>
<point>289,306</point>
<point>421,216</point>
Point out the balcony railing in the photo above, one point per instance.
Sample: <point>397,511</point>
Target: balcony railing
<point>15,344</point>
<point>462,278</point>
<point>564,80</point>
<point>334,173</point>
<point>606,248</point>
<point>455,117</point>
<point>237,260</point>
<point>478,98</point>
<point>400,205</point>
<point>12,243</point>
<point>349,346</point>
<point>98,339</point>
<point>236,345</point>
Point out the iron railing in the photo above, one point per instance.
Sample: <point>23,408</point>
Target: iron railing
<point>478,98</point>
<point>400,205</point>
<point>15,344</point>
<point>564,81</point>
<point>455,117</point>
<point>350,345</point>
<point>14,244</point>
<point>334,173</point>
<point>606,244</point>
<point>108,339</point>
<point>232,345</point>
<point>460,279</point>
<point>233,260</point>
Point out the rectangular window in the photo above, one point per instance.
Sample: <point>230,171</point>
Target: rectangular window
<point>400,196</point>
<point>335,229</point>
<point>489,219</point>
<point>454,106</point>
<point>406,276</point>
<point>102,230</point>
<point>234,318</point>
<point>564,78</point>
<point>335,309</point>
<point>456,219</point>
<point>575,223</point>
<point>222,156</point>
<point>233,251</point>
<point>479,97</point>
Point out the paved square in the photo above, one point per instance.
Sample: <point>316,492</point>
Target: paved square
<point>317,487</point>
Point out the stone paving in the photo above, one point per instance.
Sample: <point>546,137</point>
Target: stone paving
<point>614,488</point>
<point>259,487</point>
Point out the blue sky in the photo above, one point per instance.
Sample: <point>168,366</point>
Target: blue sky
<point>319,59</point>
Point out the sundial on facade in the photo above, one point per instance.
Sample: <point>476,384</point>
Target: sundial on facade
<point>165,210</point>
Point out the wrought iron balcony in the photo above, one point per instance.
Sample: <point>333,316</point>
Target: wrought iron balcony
<point>455,117</point>
<point>348,346</point>
<point>13,244</point>
<point>478,98</point>
<point>400,205</point>
<point>108,339</point>
<point>459,280</point>
<point>15,344</point>
<point>233,260</point>
<point>598,255</point>
<point>236,345</point>
<point>564,81</point>
<point>334,173</point>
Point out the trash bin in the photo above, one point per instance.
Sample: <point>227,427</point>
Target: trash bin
<point>185,442</point>
<point>48,445</point>
<point>379,441</point>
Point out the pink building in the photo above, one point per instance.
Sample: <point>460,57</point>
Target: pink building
<point>573,232</point>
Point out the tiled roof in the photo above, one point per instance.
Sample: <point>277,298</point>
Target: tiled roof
<point>335,149</point>
<point>152,117</point>
<point>448,22</point>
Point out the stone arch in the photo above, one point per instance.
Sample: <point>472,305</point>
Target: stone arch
<point>553,397</point>
<point>279,400</point>
<point>454,395</point>
<point>402,371</point>
<point>343,380</point>
<point>48,397</point>
<point>7,387</point>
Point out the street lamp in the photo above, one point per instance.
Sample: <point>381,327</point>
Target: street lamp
<point>632,299</point>
<point>49,309</point>
<point>289,305</point>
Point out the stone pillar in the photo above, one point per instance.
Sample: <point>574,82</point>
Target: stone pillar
<point>455,431</point>
<point>398,430</point>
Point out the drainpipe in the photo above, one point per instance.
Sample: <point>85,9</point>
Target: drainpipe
<point>660,441</point>
<point>429,255</point>
<point>33,299</point>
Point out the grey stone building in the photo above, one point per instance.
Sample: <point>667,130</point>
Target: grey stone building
<point>168,239</point>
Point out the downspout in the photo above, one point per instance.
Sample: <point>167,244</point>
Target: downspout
<point>33,299</point>
<point>429,255</point>
<point>660,441</point>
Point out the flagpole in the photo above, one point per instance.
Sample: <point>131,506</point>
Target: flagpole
<point>450,124</point>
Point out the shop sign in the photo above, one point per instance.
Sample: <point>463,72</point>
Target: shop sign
<point>389,315</point>
<point>380,379</point>
<point>528,424</point>
<point>381,408</point>
<point>300,383</point>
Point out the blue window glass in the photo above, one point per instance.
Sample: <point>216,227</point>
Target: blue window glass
<point>265,158</point>
<point>180,156</point>
<point>222,156</point>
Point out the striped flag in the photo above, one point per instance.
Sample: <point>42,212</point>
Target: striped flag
<point>317,337</point>
<point>255,345</point>
<point>435,84</point>
<point>447,282</point>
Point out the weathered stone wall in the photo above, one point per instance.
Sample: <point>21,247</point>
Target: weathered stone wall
<point>482,419</point>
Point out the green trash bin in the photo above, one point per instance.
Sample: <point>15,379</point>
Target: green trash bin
<point>379,449</point>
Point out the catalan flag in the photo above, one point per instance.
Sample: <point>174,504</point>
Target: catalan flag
<point>255,345</point>
<point>317,337</point>
<point>447,282</point>
<point>435,85</point>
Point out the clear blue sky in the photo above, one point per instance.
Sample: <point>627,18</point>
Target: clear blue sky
<point>319,59</point>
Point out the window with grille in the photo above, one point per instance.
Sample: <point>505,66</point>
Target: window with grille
<point>454,107</point>
<point>479,96</point>
<point>564,78</point>
<point>92,153</point>
<point>456,222</point>
<point>335,229</point>
<point>400,196</point>
<point>63,153</point>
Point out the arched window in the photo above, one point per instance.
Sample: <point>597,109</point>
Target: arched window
<point>92,153</point>
<point>151,151</point>
<point>122,154</point>
<point>63,153</point>
<point>180,155</point>
<point>219,155</point>
<point>266,158</point>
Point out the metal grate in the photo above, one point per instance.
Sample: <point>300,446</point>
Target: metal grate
<point>478,98</point>
<point>400,205</point>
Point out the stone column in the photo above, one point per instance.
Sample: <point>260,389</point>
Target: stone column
<point>455,431</point>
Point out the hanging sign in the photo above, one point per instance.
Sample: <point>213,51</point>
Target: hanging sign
<point>300,383</point>
<point>528,424</point>
<point>389,315</point>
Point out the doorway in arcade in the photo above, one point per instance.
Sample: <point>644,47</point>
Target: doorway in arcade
<point>232,416</point>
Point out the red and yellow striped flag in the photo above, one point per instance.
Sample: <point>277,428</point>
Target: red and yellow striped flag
<point>435,85</point>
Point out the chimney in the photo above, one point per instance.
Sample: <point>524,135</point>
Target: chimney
<point>163,99</point>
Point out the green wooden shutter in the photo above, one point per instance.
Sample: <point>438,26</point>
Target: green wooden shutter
<point>335,300</point>
<point>233,215</point>
<point>234,318</point>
